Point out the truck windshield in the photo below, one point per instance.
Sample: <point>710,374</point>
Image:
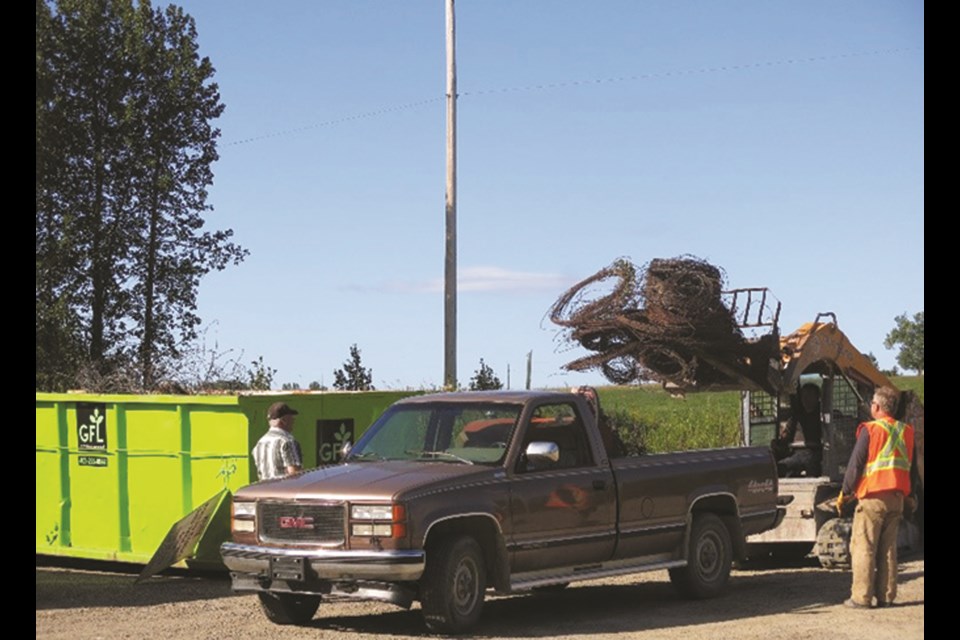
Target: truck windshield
<point>442,432</point>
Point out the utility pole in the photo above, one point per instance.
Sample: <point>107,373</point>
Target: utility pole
<point>529,368</point>
<point>450,263</point>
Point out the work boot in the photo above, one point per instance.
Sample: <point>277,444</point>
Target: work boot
<point>853,604</point>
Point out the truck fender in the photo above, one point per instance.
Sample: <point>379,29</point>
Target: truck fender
<point>724,505</point>
<point>485,529</point>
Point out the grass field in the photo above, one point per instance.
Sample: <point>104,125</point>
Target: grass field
<point>910,383</point>
<point>649,419</point>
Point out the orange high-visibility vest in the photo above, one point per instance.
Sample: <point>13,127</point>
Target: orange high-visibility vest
<point>889,457</point>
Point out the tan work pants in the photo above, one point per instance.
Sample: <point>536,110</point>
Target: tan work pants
<point>873,548</point>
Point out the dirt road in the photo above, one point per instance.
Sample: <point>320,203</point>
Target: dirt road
<point>797,602</point>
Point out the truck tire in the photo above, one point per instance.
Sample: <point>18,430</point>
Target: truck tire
<point>453,585</point>
<point>833,543</point>
<point>289,608</point>
<point>709,559</point>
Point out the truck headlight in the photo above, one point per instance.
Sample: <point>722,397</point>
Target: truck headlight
<point>244,518</point>
<point>378,520</point>
<point>379,530</point>
<point>371,512</point>
<point>244,509</point>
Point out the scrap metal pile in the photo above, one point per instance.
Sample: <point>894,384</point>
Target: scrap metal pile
<point>666,321</point>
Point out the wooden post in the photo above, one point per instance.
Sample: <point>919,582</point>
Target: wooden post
<point>450,263</point>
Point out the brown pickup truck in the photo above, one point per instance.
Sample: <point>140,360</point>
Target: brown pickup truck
<point>446,496</point>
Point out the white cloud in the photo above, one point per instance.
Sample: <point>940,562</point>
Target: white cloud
<point>487,279</point>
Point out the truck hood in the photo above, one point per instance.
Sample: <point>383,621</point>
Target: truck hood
<point>367,480</point>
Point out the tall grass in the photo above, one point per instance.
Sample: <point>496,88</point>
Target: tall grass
<point>649,419</point>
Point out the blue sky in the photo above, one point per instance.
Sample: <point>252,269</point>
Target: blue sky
<point>780,141</point>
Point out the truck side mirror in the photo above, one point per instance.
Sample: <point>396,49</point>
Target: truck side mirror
<point>542,453</point>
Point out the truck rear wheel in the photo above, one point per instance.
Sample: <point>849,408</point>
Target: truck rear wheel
<point>453,585</point>
<point>709,559</point>
<point>289,608</point>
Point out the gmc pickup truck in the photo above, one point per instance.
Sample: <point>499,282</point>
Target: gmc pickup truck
<point>448,495</point>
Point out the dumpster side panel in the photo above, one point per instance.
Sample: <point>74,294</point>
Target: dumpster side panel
<point>221,445</point>
<point>158,479</point>
<point>53,489</point>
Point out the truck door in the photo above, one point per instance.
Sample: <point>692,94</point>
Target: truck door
<point>562,513</point>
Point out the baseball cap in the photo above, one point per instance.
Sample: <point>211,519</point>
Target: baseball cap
<point>280,409</point>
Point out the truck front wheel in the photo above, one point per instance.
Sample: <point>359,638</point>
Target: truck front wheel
<point>453,585</point>
<point>289,608</point>
<point>709,559</point>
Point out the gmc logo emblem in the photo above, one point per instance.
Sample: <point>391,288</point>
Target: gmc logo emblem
<point>291,522</point>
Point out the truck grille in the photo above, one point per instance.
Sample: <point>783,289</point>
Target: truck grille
<point>304,523</point>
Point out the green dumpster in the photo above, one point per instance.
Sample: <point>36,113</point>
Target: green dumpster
<point>115,472</point>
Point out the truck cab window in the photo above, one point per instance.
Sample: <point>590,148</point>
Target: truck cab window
<point>561,425</point>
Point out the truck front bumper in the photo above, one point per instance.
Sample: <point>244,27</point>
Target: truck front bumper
<point>273,563</point>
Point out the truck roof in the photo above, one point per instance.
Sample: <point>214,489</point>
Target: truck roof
<point>513,397</point>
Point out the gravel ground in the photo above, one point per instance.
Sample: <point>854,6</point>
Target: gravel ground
<point>796,601</point>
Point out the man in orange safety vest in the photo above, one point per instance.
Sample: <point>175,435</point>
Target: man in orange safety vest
<point>878,475</point>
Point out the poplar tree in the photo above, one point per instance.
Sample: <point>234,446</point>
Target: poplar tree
<point>83,224</point>
<point>125,144</point>
<point>176,101</point>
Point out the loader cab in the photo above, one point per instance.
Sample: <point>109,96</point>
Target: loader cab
<point>842,408</point>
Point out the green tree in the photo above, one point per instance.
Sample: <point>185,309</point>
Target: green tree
<point>908,334</point>
<point>82,184</point>
<point>58,334</point>
<point>353,376</point>
<point>125,146</point>
<point>484,379</point>
<point>176,101</point>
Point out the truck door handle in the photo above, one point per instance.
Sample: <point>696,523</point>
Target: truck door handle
<point>599,485</point>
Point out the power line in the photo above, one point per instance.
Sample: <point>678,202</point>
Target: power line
<point>686,72</point>
<point>574,83</point>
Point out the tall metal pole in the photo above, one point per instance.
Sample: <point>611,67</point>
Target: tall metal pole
<point>450,265</point>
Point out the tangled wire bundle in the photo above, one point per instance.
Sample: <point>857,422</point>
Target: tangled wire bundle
<point>664,322</point>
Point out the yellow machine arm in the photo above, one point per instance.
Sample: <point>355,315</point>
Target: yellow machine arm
<point>823,341</point>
